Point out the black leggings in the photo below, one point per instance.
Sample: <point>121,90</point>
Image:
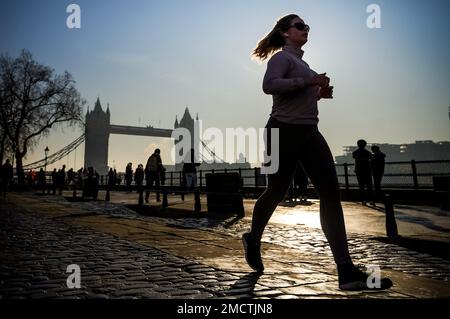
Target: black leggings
<point>306,144</point>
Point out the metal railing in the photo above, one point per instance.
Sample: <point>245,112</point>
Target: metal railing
<point>406,175</point>
<point>409,175</point>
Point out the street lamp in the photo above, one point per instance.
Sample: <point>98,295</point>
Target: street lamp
<point>46,152</point>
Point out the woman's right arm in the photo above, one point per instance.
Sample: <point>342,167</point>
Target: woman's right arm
<point>275,81</point>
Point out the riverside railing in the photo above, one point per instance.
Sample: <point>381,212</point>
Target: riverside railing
<point>404,175</point>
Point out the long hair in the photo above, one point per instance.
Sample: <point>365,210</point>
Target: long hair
<point>273,41</point>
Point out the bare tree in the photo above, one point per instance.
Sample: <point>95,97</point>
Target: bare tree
<point>5,149</point>
<point>33,99</point>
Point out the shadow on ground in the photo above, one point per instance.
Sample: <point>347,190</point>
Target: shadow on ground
<point>245,284</point>
<point>177,213</point>
<point>431,247</point>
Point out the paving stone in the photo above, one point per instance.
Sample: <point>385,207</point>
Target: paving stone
<point>33,265</point>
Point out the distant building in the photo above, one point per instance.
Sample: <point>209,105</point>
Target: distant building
<point>419,151</point>
<point>97,138</point>
<point>188,123</point>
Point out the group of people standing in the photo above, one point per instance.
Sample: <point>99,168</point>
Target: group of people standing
<point>154,174</point>
<point>368,165</point>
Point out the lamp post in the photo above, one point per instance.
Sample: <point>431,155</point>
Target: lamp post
<point>46,152</point>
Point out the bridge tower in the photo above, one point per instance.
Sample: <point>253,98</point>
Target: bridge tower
<point>97,138</point>
<point>188,123</point>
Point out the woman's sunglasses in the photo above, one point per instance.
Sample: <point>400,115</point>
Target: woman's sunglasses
<point>301,26</point>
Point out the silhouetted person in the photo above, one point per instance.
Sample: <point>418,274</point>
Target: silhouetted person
<point>90,188</point>
<point>80,177</point>
<point>61,179</point>
<point>377,165</point>
<point>139,177</point>
<point>30,178</point>
<point>42,181</point>
<point>111,178</point>
<point>54,180</point>
<point>162,175</point>
<point>296,89</point>
<point>6,176</point>
<point>128,176</point>
<point>70,176</point>
<point>116,178</point>
<point>190,170</point>
<point>363,174</point>
<point>152,173</point>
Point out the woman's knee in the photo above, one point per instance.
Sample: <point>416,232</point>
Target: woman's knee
<point>275,193</point>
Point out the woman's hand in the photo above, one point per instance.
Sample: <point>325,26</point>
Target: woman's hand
<point>318,80</point>
<point>326,92</point>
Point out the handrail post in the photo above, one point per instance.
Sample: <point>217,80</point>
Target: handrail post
<point>107,198</point>
<point>414,172</point>
<point>391,224</point>
<point>141,196</point>
<point>165,202</point>
<point>198,205</point>
<point>347,185</point>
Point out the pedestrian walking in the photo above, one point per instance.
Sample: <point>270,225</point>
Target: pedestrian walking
<point>295,89</point>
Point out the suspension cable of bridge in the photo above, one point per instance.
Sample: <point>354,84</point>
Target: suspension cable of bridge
<point>216,158</point>
<point>53,158</point>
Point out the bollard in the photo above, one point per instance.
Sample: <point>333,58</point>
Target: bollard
<point>107,198</point>
<point>165,202</point>
<point>158,198</point>
<point>182,195</point>
<point>241,211</point>
<point>141,197</point>
<point>74,195</point>
<point>198,205</point>
<point>391,224</point>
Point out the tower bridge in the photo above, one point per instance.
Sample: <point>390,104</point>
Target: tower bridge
<point>98,128</point>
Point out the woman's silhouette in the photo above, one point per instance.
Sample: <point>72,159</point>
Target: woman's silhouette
<point>296,89</point>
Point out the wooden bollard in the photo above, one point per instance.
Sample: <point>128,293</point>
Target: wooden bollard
<point>198,205</point>
<point>141,196</point>
<point>107,198</point>
<point>391,224</point>
<point>165,202</point>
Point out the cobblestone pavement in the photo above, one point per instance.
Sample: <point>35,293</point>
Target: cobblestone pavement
<point>35,252</point>
<point>309,240</point>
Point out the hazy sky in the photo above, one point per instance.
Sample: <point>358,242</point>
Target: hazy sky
<point>151,59</point>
